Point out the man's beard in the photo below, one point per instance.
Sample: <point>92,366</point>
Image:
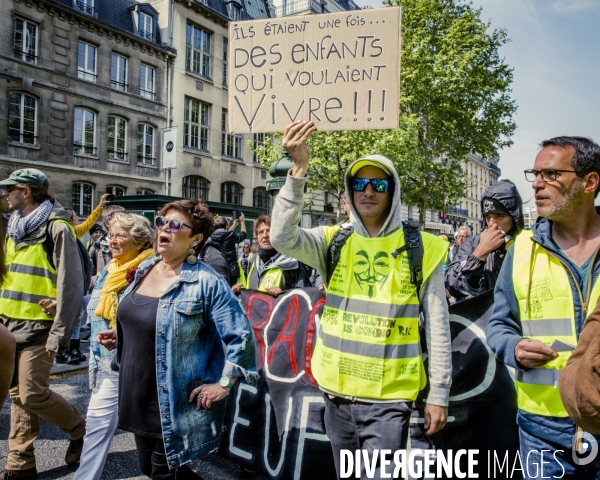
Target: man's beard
<point>568,205</point>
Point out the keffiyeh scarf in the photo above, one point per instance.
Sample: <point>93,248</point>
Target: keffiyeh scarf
<point>19,226</point>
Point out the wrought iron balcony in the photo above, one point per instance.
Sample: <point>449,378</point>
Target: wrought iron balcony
<point>293,8</point>
<point>462,212</point>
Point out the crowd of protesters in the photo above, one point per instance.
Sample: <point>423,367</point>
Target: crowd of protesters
<point>168,334</point>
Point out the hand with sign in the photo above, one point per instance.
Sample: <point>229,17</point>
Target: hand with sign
<point>294,141</point>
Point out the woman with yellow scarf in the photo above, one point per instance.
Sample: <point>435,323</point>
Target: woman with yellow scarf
<point>130,239</point>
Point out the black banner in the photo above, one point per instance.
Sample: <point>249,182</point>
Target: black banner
<point>276,426</point>
<point>483,404</point>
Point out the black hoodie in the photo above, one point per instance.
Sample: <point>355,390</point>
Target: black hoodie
<point>467,275</point>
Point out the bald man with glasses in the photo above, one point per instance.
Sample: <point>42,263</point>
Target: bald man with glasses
<point>546,288</point>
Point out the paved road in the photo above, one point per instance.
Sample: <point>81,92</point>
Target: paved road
<point>51,444</point>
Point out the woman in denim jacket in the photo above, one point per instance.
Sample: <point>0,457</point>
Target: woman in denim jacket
<point>130,240</point>
<point>174,371</point>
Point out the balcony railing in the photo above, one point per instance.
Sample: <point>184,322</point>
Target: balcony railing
<point>85,75</point>
<point>26,138</point>
<point>117,155</point>
<point>84,7</point>
<point>298,6</point>
<point>146,34</point>
<point>147,94</point>
<point>145,160</point>
<point>122,86</point>
<point>24,56</point>
<point>85,149</point>
<point>463,212</point>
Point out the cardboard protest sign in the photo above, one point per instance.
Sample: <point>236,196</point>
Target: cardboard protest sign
<point>339,70</point>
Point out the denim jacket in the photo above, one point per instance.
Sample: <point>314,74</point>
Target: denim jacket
<point>196,315</point>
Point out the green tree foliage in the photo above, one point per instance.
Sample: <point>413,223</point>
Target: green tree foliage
<point>454,99</point>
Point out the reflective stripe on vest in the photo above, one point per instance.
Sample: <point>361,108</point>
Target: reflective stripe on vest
<point>368,340</point>
<point>548,316</point>
<point>30,278</point>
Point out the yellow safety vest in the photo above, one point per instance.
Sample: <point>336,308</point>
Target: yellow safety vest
<point>242,278</point>
<point>548,315</point>
<point>368,341</point>
<point>273,277</point>
<point>30,278</point>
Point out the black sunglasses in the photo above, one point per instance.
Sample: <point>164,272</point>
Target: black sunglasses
<point>379,185</point>
<point>174,225</point>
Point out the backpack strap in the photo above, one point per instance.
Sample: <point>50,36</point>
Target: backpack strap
<point>413,245</point>
<point>335,248</point>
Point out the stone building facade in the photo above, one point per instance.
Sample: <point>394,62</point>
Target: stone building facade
<point>211,164</point>
<point>84,96</point>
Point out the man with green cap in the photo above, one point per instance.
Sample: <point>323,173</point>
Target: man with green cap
<point>367,357</point>
<point>39,269</point>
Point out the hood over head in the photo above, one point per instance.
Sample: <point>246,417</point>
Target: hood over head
<point>394,219</point>
<point>504,195</point>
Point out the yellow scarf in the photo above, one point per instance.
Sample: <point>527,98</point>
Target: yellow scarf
<point>115,281</point>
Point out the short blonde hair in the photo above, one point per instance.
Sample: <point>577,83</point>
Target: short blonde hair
<point>139,227</point>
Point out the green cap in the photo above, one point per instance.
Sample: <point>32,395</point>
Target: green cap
<point>28,177</point>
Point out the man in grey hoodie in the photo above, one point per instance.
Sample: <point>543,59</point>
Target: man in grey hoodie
<point>367,358</point>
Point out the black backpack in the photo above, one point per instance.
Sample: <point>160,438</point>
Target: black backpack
<point>413,244</point>
<point>86,263</point>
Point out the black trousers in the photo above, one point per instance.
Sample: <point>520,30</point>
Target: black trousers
<point>152,460</point>
<point>366,426</point>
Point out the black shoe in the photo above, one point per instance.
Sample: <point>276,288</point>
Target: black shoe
<point>28,474</point>
<point>65,358</point>
<point>74,451</point>
<point>76,353</point>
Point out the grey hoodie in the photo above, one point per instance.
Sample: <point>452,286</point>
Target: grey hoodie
<point>309,246</point>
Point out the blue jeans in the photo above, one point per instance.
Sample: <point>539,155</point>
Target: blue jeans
<point>557,462</point>
<point>366,426</point>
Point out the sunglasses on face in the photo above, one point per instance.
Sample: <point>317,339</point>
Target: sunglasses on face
<point>174,225</point>
<point>379,185</point>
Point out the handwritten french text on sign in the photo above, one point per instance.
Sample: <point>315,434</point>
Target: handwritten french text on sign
<point>339,70</point>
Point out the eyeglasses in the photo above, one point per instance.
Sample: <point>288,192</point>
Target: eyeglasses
<point>118,236</point>
<point>548,174</point>
<point>174,225</point>
<point>379,185</point>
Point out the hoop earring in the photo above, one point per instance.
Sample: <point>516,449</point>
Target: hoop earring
<point>192,259</point>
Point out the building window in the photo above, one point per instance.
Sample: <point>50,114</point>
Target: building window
<point>147,82</point>
<point>235,12</point>
<point>195,187</point>
<point>86,6</point>
<point>83,193</point>
<point>231,145</point>
<point>145,147</point>
<point>84,139</point>
<point>225,54</point>
<point>25,41</point>
<point>144,191</point>
<point>258,141</point>
<point>118,72</point>
<point>145,26</point>
<point>260,198</point>
<point>197,50</point>
<point>22,119</point>
<point>86,62</point>
<point>195,128</point>
<point>117,139</point>
<point>116,190</point>
<point>231,192</point>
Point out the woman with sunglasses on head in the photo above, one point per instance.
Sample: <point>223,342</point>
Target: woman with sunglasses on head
<point>130,238</point>
<point>174,371</point>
